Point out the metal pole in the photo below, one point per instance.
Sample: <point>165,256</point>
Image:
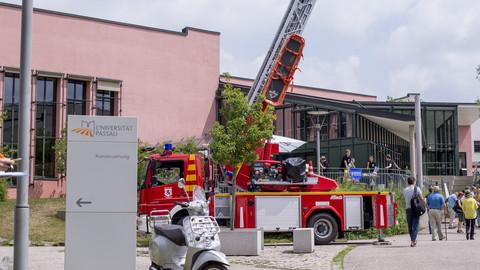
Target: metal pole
<point>418,141</point>
<point>21,242</point>
<point>413,164</point>
<point>317,129</point>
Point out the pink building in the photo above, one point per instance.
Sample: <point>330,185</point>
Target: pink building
<point>81,65</point>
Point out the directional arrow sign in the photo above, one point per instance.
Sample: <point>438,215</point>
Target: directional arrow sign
<point>80,202</point>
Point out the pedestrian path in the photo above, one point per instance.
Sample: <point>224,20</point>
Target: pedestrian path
<point>456,252</point>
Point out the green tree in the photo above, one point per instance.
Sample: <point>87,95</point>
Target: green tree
<point>246,128</point>
<point>187,146</point>
<point>60,149</point>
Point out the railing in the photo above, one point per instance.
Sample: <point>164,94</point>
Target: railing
<point>379,178</point>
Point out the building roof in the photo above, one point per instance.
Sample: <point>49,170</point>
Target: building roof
<point>222,80</point>
<point>184,31</point>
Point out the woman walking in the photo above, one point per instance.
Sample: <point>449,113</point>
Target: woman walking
<point>470,207</point>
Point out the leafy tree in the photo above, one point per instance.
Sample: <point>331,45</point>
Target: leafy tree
<point>60,149</point>
<point>246,128</point>
<point>188,146</point>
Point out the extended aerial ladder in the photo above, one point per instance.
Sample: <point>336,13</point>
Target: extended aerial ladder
<point>287,44</point>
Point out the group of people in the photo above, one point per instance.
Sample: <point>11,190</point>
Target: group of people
<point>348,161</point>
<point>463,206</point>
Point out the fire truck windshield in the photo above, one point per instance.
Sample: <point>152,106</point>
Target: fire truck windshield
<point>167,172</point>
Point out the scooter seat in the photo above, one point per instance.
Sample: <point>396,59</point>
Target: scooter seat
<point>173,233</point>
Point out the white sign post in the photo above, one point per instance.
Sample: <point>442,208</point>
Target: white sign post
<point>101,193</point>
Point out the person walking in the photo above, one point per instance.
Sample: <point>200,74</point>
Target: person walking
<point>372,172</point>
<point>346,164</point>
<point>413,218</point>
<point>371,165</point>
<point>430,192</point>
<point>323,164</point>
<point>477,198</point>
<point>391,168</point>
<point>458,209</point>
<point>470,207</point>
<point>451,201</point>
<point>436,205</point>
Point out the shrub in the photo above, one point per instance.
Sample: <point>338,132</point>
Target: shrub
<point>3,190</point>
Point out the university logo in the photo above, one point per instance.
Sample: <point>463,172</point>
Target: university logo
<point>87,129</point>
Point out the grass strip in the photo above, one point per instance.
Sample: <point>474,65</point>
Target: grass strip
<point>338,259</point>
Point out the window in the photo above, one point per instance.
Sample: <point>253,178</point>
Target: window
<point>76,97</point>
<point>167,172</point>
<point>10,108</point>
<point>104,103</point>
<point>476,146</point>
<point>45,127</point>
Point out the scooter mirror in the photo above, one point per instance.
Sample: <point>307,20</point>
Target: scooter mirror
<point>181,183</point>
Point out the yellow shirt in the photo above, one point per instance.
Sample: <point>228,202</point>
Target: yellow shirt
<point>470,208</point>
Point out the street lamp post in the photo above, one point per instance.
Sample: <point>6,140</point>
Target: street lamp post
<point>318,128</point>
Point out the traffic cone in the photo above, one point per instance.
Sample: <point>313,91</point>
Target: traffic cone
<point>310,168</point>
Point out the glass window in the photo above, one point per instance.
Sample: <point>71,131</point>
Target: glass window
<point>476,146</point>
<point>76,93</point>
<point>10,111</point>
<point>45,127</point>
<point>104,102</point>
<point>167,172</point>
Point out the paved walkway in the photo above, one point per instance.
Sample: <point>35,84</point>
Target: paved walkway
<point>456,252</point>
<point>279,257</point>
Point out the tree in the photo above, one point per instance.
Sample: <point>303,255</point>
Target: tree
<point>246,128</point>
<point>478,72</point>
<point>60,149</point>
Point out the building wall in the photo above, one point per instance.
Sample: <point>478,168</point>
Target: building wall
<point>465,144</point>
<point>168,79</point>
<point>476,137</point>
<point>151,64</point>
<point>312,91</point>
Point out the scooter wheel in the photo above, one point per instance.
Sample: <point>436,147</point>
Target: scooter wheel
<point>214,266</point>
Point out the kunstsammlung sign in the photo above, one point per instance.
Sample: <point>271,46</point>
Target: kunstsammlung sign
<point>101,193</point>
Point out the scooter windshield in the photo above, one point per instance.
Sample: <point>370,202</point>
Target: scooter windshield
<point>199,194</point>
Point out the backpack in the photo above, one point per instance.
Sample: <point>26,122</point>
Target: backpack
<point>417,204</point>
<point>457,208</point>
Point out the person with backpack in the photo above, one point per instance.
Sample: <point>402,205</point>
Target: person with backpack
<point>413,205</point>
<point>458,209</point>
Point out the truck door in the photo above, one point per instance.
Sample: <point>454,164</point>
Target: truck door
<point>162,190</point>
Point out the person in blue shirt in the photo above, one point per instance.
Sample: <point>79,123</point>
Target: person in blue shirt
<point>436,205</point>
<point>452,200</point>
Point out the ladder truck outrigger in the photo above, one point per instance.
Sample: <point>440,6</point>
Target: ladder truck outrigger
<point>273,195</point>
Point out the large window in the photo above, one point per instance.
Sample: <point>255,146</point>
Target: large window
<point>476,146</point>
<point>76,97</point>
<point>10,110</point>
<point>104,103</point>
<point>45,127</point>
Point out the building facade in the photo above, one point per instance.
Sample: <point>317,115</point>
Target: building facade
<point>369,127</point>
<point>88,66</point>
<point>476,145</point>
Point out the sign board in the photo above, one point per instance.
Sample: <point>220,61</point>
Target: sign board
<point>101,193</point>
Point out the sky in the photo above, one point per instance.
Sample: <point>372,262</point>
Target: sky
<point>377,47</point>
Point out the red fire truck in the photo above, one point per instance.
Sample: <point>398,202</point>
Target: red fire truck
<point>274,195</point>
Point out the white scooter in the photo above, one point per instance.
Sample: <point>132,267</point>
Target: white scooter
<point>193,246</point>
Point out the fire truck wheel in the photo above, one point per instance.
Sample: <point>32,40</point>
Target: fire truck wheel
<point>325,228</point>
